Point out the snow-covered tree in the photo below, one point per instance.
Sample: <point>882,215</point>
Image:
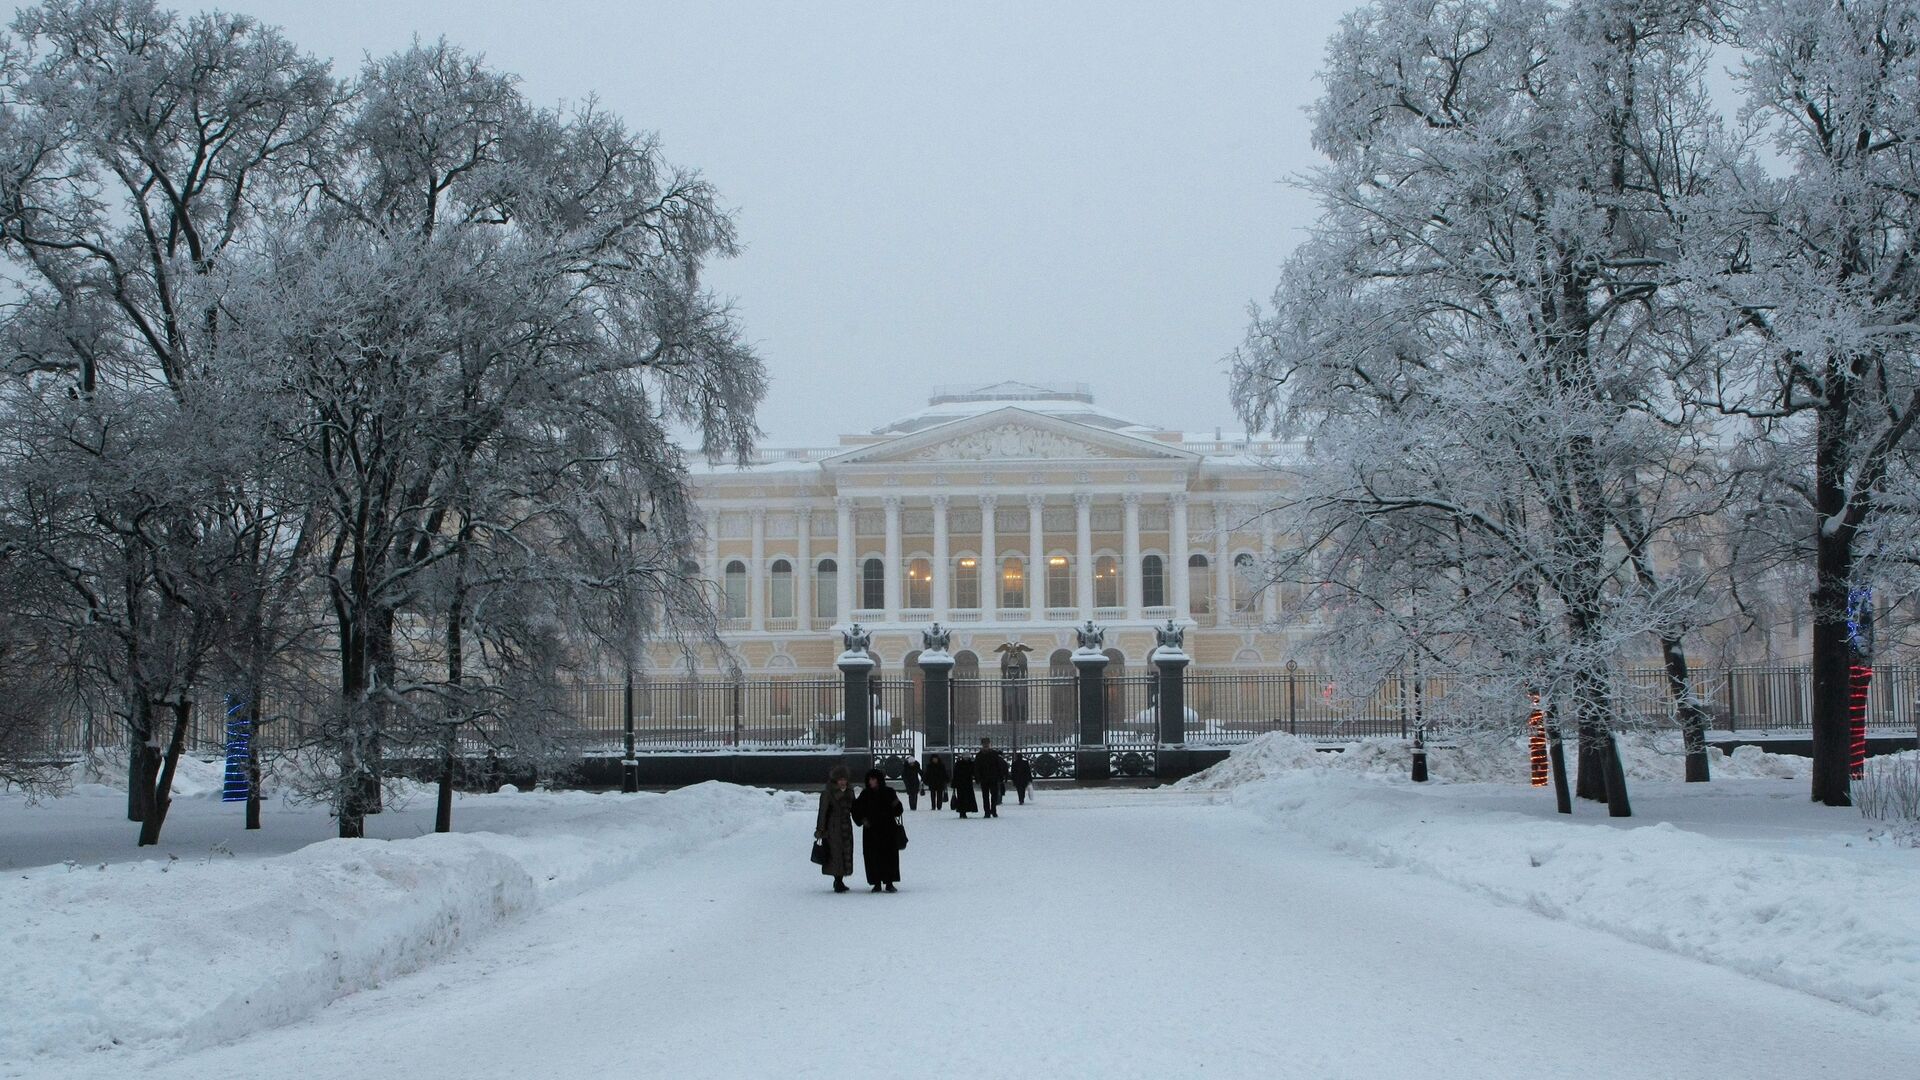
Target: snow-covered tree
<point>1475,342</point>
<point>490,318</point>
<point>1808,269</point>
<point>136,148</point>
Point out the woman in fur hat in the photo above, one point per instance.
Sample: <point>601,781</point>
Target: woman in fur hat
<point>834,827</point>
<point>877,812</point>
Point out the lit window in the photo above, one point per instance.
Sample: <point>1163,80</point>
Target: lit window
<point>1059,582</point>
<point>966,583</point>
<point>919,584</point>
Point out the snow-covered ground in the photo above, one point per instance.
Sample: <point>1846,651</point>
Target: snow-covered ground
<point>1287,915</point>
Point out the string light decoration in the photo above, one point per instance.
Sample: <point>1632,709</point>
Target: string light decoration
<point>1859,677</point>
<point>1860,681</point>
<point>238,782</point>
<point>1537,743</point>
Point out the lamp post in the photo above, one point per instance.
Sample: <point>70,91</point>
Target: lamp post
<point>1293,725</point>
<point>630,764</point>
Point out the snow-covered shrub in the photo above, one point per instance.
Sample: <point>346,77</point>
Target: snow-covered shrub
<point>1889,788</point>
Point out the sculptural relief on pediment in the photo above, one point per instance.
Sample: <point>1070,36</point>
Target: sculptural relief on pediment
<point>1015,442</point>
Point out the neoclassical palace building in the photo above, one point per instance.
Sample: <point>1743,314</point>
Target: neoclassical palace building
<point>1009,512</point>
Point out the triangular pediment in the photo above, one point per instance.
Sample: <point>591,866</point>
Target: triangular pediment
<point>1012,435</point>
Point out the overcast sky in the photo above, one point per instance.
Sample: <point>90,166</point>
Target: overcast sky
<point>946,192</point>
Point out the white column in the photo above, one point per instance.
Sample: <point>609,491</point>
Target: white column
<point>1083,552</point>
<point>940,575</point>
<point>715,573</point>
<point>1222,573</point>
<point>843,578</point>
<point>892,569</point>
<point>1036,556</point>
<point>989,560</point>
<point>757,573</point>
<point>1177,554</point>
<point>1270,592</point>
<point>803,569</point>
<point>1130,555</point>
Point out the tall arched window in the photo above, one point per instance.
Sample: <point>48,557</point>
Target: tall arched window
<point>780,589</point>
<point>1059,581</point>
<point>1199,585</point>
<point>736,582</point>
<point>1013,583</point>
<point>826,590</point>
<point>1246,596</point>
<point>873,585</point>
<point>1153,581</point>
<point>919,584</point>
<point>1106,582</point>
<point>966,582</point>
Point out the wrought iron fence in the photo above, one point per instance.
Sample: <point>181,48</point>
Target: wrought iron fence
<point>692,714</point>
<point>1015,712</point>
<point>1223,707</point>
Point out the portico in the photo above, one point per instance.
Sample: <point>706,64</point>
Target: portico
<point>1011,512</point>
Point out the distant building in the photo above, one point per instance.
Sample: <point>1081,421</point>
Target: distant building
<point>1011,512</point>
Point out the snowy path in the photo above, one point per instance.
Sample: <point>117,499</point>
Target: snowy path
<point>1089,934</point>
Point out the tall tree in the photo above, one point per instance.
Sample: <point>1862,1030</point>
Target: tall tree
<point>1477,323</point>
<point>1811,271</point>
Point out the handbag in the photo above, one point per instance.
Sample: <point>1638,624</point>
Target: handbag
<point>819,855</point>
<point>900,827</point>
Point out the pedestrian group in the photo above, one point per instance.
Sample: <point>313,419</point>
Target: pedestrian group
<point>876,809</point>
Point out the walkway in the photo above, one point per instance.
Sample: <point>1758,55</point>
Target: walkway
<point>1110,934</point>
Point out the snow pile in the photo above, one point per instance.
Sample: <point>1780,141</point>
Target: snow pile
<point>104,771</point>
<point>1842,926</point>
<point>1497,760</point>
<point>194,952</point>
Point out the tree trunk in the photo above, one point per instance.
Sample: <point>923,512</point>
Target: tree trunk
<point>163,788</point>
<point>1591,782</point>
<point>1617,804</point>
<point>456,614</point>
<point>253,754</point>
<point>1686,704</point>
<point>1831,679</point>
<point>143,761</point>
<point>1557,759</point>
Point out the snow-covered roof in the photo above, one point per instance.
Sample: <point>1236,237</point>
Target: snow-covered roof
<point>1068,401</point>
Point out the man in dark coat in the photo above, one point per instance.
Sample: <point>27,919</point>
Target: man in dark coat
<point>963,786</point>
<point>833,826</point>
<point>991,768</point>
<point>936,774</point>
<point>910,779</point>
<point>877,812</point>
<point>1022,774</point>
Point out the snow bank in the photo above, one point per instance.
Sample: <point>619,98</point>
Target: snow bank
<point>1845,927</point>
<point>194,952</point>
<point>1645,757</point>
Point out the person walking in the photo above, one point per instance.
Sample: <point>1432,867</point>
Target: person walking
<point>1022,773</point>
<point>833,826</point>
<point>877,811</point>
<point>991,769</point>
<point>963,787</point>
<point>936,774</point>
<point>910,779</point>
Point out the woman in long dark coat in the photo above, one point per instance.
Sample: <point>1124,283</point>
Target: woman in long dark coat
<point>877,812</point>
<point>963,787</point>
<point>1022,775</point>
<point>910,779</point>
<point>834,825</point>
<point>936,773</point>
